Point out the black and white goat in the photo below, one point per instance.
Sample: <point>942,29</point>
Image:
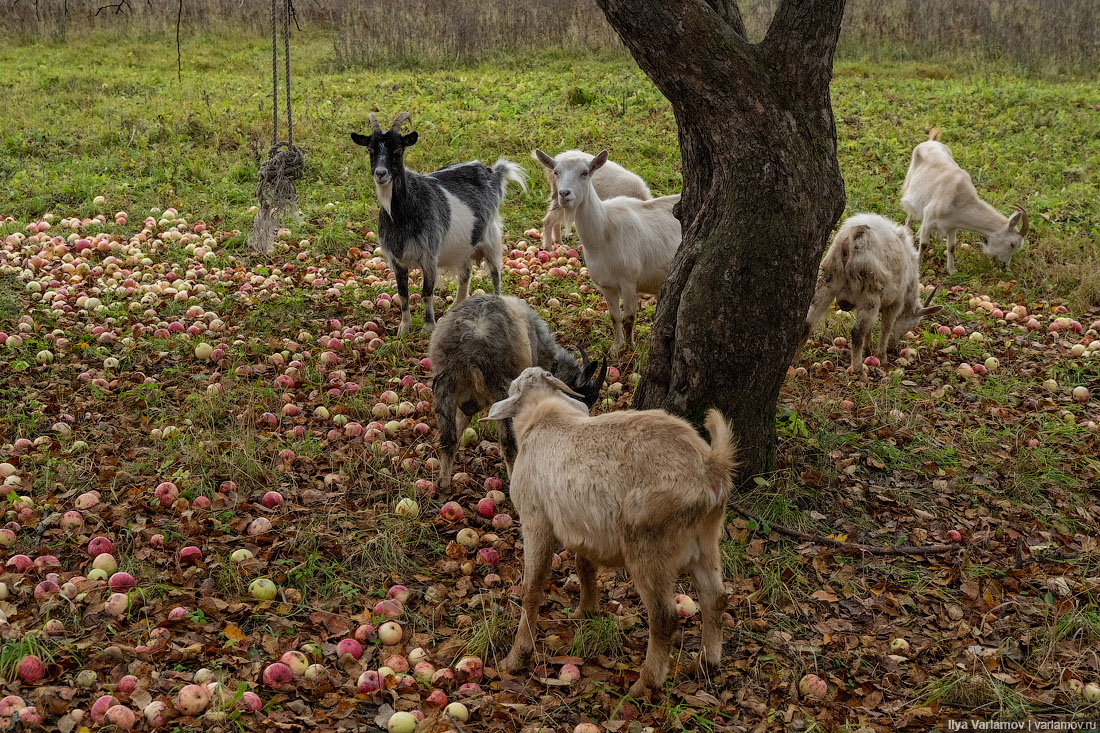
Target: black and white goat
<point>445,220</point>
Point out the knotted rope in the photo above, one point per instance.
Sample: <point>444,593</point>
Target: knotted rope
<point>275,189</point>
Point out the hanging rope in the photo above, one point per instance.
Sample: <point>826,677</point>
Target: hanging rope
<point>284,165</point>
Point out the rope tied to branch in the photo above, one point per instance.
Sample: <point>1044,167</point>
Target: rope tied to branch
<point>285,163</point>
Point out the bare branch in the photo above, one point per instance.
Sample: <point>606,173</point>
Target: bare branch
<point>179,55</point>
<point>117,7</point>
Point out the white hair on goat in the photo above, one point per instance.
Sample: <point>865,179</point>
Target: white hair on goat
<point>610,180</point>
<point>940,194</point>
<point>628,243</point>
<point>448,219</point>
<point>633,488</point>
<point>871,266</point>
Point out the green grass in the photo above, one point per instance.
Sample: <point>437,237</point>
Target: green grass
<point>601,634</point>
<point>143,139</point>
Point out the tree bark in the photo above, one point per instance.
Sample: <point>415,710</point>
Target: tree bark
<point>762,191</point>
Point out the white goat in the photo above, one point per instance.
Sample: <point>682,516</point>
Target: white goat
<point>628,243</point>
<point>609,181</point>
<point>940,194</point>
<point>871,266</point>
<point>639,489</point>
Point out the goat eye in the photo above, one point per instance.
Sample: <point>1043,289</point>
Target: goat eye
<point>584,173</point>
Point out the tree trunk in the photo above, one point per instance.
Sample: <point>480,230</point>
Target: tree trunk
<point>762,191</point>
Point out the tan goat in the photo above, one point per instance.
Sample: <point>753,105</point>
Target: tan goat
<point>633,488</point>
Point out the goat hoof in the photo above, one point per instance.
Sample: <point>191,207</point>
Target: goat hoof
<point>700,667</point>
<point>514,662</point>
<point>639,690</point>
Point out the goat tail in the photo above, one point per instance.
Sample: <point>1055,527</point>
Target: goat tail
<point>721,461</point>
<point>934,133</point>
<point>505,170</point>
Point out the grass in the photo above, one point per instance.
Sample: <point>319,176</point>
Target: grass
<point>146,140</point>
<point>598,635</point>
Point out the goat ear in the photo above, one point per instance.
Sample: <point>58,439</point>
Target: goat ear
<point>558,385</point>
<point>504,409</point>
<point>930,310</point>
<point>597,162</point>
<point>358,139</point>
<point>545,159</point>
<point>1018,220</point>
<point>410,139</point>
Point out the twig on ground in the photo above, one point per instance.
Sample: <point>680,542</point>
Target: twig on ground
<point>850,546</point>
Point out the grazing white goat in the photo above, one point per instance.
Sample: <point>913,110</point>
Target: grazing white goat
<point>628,243</point>
<point>609,181</point>
<point>939,193</point>
<point>871,266</point>
<point>633,488</point>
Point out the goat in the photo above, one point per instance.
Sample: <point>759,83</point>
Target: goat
<point>633,488</point>
<point>609,181</point>
<point>941,195</point>
<point>479,347</point>
<point>443,220</point>
<point>628,243</point>
<point>871,266</point>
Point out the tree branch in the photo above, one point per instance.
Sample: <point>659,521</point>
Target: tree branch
<point>728,11</point>
<point>802,38</point>
<point>675,42</point>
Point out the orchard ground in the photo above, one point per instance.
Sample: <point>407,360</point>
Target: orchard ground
<point>118,396</point>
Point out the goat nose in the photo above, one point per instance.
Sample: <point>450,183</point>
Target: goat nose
<point>564,193</point>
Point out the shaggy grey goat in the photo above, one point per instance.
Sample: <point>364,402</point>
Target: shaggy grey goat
<point>443,220</point>
<point>481,345</point>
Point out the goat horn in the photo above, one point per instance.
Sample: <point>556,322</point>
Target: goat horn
<point>374,123</point>
<point>1023,219</point>
<point>603,373</point>
<point>401,120</point>
<point>584,358</point>
<point>930,296</point>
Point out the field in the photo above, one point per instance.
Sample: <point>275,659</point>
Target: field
<point>96,397</point>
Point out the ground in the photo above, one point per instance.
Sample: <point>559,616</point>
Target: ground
<point>307,391</point>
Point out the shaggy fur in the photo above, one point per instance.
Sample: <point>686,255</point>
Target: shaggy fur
<point>480,346</point>
<point>609,181</point>
<point>629,488</point>
<point>445,220</point>
<point>628,243</point>
<point>940,194</point>
<point>871,266</point>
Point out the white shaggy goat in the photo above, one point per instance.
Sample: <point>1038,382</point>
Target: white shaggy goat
<point>628,243</point>
<point>633,488</point>
<point>871,266</point>
<point>609,181</point>
<point>445,220</point>
<point>939,193</point>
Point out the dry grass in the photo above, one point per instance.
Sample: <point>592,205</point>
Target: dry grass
<point>1038,36</point>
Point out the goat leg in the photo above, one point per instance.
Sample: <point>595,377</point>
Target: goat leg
<point>402,274</point>
<point>464,282</point>
<point>427,294</point>
<point>589,605</point>
<point>538,550</point>
<point>707,574</point>
<point>654,580</point>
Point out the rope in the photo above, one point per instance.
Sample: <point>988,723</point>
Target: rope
<point>285,164</point>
